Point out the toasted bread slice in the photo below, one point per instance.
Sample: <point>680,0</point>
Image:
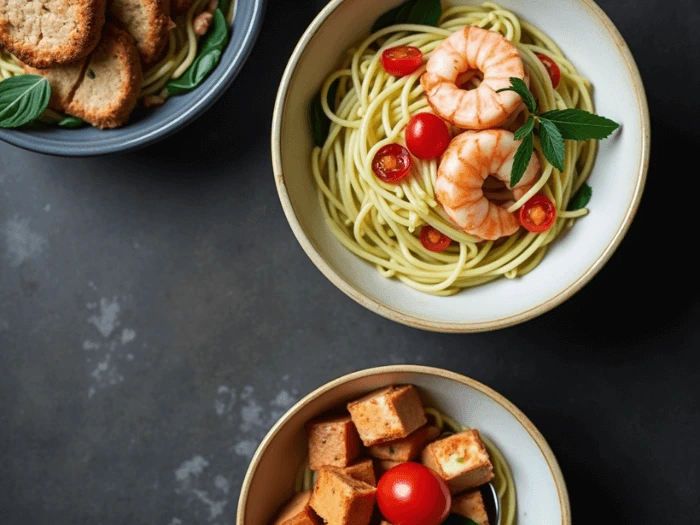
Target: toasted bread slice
<point>180,7</point>
<point>48,33</point>
<point>111,86</point>
<point>148,21</point>
<point>64,81</point>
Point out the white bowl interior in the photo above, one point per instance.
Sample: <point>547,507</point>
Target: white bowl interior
<point>539,498</point>
<point>599,53</point>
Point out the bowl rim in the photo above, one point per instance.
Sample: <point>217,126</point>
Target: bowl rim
<point>224,77</point>
<point>445,326</point>
<point>531,429</point>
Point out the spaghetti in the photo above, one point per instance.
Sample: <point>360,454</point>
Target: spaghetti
<point>380,222</point>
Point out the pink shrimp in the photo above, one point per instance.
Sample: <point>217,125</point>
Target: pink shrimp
<point>469,159</point>
<point>468,50</point>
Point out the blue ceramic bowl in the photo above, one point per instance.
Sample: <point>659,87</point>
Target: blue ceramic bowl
<point>156,123</point>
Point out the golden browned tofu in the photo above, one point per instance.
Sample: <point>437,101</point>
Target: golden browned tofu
<point>297,511</point>
<point>460,459</point>
<point>382,465</point>
<point>332,442</point>
<point>342,500</point>
<point>471,505</point>
<point>362,469</point>
<point>387,414</point>
<point>408,448</point>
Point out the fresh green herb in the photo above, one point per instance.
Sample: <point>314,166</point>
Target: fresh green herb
<point>456,519</point>
<point>71,123</point>
<point>224,6</point>
<point>91,74</point>
<point>581,199</point>
<point>460,459</point>
<point>422,12</point>
<point>554,128</point>
<point>206,60</point>
<point>320,123</point>
<point>22,99</point>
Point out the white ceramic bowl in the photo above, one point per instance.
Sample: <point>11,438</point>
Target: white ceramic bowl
<point>596,49</point>
<point>541,493</point>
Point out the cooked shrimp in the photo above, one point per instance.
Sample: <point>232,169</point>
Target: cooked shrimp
<point>469,159</point>
<point>469,49</point>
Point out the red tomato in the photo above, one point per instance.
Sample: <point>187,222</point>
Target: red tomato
<point>434,240</point>
<point>392,163</point>
<point>427,136</point>
<point>413,494</point>
<point>402,60</point>
<point>538,214</point>
<point>552,69</point>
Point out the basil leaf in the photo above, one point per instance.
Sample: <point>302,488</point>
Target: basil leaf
<point>525,129</point>
<point>422,12</point>
<point>217,37</point>
<point>581,199</point>
<point>22,99</point>
<point>578,124</point>
<point>520,87</point>
<point>521,160</point>
<point>552,143</point>
<point>71,123</point>
<point>320,123</point>
<point>195,74</point>
<point>456,519</point>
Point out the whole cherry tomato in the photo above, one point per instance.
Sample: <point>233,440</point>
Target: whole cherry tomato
<point>427,136</point>
<point>538,214</point>
<point>402,60</point>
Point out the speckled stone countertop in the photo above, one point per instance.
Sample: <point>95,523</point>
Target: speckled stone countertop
<point>157,316</point>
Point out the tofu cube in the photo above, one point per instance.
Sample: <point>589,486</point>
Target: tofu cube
<point>460,459</point>
<point>387,414</point>
<point>332,442</point>
<point>362,469</point>
<point>471,505</point>
<point>297,511</point>
<point>382,465</point>
<point>342,500</point>
<point>408,448</point>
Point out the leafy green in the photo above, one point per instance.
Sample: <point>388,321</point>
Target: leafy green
<point>224,6</point>
<point>525,129</point>
<point>456,519</point>
<point>521,160</point>
<point>320,123</point>
<point>22,99</point>
<point>578,124</point>
<point>422,12</point>
<point>520,87</point>
<point>71,123</point>
<point>207,58</point>
<point>581,199</point>
<point>552,143</point>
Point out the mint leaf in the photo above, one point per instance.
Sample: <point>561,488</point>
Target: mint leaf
<point>577,124</point>
<point>525,129</point>
<point>520,87</point>
<point>422,12</point>
<point>71,123</point>
<point>320,123</point>
<point>521,160</point>
<point>581,199</point>
<point>552,143</point>
<point>22,99</point>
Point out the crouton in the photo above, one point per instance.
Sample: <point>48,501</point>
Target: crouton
<point>471,505</point>
<point>64,81</point>
<point>382,465</point>
<point>342,500</point>
<point>180,7</point>
<point>332,442</point>
<point>297,511</point>
<point>387,414</point>
<point>408,448</point>
<point>362,469</point>
<point>111,85</point>
<point>148,21</point>
<point>48,33</point>
<point>460,459</point>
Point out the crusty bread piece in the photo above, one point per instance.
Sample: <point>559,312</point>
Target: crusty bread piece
<point>64,81</point>
<point>179,7</point>
<point>332,442</point>
<point>362,469</point>
<point>148,21</point>
<point>408,448</point>
<point>382,465</point>
<point>48,33</point>
<point>297,511</point>
<point>111,85</point>
<point>471,505</point>
<point>341,500</point>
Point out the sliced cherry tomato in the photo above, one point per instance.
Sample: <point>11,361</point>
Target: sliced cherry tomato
<point>413,494</point>
<point>402,60</point>
<point>392,163</point>
<point>538,214</point>
<point>427,136</point>
<point>552,69</point>
<point>433,239</point>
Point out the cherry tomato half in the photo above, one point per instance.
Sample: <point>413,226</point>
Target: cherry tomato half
<point>433,239</point>
<point>402,60</point>
<point>538,214</point>
<point>392,163</point>
<point>427,136</point>
<point>552,69</point>
<point>413,494</point>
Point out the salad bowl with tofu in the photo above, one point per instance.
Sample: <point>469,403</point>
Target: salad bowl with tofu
<point>404,445</point>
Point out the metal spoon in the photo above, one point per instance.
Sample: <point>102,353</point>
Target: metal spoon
<point>492,503</point>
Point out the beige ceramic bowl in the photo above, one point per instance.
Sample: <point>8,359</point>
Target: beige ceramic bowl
<point>591,41</point>
<point>542,497</point>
